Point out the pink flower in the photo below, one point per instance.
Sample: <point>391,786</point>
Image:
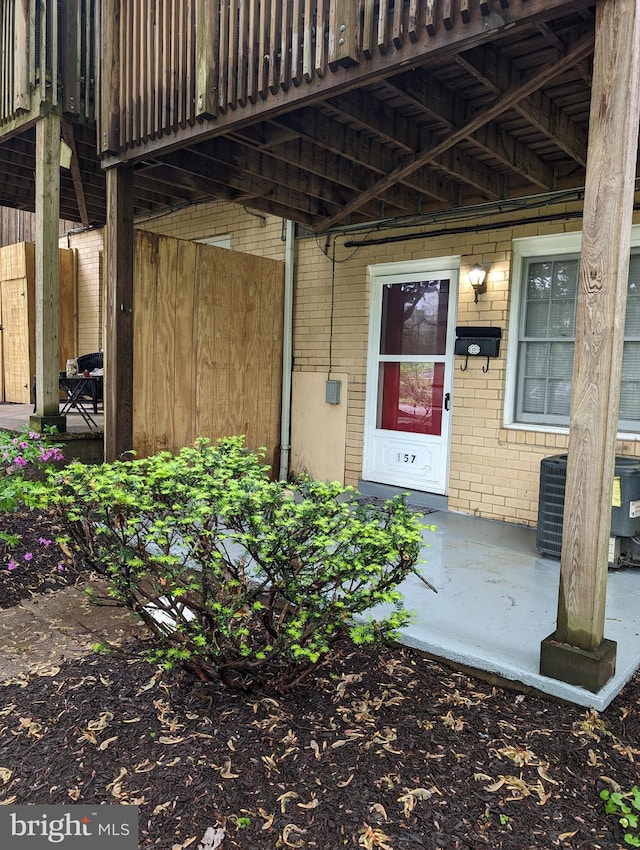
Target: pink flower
<point>28,556</point>
<point>60,567</point>
<point>44,541</point>
<point>12,565</point>
<point>20,461</point>
<point>50,454</point>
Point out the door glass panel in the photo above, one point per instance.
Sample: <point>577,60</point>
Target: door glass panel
<point>410,397</point>
<point>414,318</point>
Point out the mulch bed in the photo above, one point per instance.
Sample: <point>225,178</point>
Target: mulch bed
<point>384,749</point>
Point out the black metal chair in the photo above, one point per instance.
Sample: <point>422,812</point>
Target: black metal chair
<point>86,362</point>
<point>90,362</point>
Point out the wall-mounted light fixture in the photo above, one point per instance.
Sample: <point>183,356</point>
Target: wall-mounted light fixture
<point>477,280</point>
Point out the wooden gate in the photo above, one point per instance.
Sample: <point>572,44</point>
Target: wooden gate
<point>207,345</point>
<point>17,318</point>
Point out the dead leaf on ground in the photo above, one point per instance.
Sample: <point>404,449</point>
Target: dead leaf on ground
<point>312,804</point>
<point>225,772</point>
<point>454,723</point>
<point>288,836</point>
<point>565,836</point>
<point>283,799</point>
<point>374,839</point>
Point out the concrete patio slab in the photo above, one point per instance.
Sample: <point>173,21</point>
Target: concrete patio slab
<point>497,599</point>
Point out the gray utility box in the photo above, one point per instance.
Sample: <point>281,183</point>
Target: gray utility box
<point>625,509</point>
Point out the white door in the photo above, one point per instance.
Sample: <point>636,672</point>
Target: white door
<point>408,401</point>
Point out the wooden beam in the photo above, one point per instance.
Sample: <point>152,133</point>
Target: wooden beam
<point>343,33</point>
<point>328,134</point>
<point>444,105</point>
<point>500,105</point>
<point>109,51</point>
<point>71,57</point>
<point>76,175</point>
<point>119,254</point>
<point>577,652</point>
<point>498,75</point>
<point>396,129</point>
<point>47,288</point>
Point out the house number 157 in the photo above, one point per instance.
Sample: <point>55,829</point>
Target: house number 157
<point>406,458</point>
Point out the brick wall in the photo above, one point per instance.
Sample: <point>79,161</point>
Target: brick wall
<point>494,471</point>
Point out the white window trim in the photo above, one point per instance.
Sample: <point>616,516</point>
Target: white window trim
<point>223,241</point>
<point>525,249</point>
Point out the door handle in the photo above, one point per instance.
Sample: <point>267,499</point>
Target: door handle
<point>447,401</point>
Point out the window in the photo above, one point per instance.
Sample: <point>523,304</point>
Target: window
<point>544,311</point>
<point>216,241</point>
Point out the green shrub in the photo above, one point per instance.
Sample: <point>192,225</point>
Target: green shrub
<point>239,576</point>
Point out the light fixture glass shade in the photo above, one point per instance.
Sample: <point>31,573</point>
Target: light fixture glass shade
<point>476,276</point>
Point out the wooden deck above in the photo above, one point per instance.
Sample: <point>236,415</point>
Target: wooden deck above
<point>333,111</point>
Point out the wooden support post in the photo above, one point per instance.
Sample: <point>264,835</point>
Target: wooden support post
<point>343,33</point>
<point>47,284</point>
<point>119,252</point>
<point>577,652</point>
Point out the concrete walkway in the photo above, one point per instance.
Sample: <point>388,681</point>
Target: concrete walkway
<point>41,633</point>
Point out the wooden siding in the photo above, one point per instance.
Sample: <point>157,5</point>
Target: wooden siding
<point>207,345</point>
<point>47,55</point>
<point>169,65</point>
<point>20,226</point>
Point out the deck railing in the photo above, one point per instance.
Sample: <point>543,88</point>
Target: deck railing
<point>172,63</point>
<point>47,55</point>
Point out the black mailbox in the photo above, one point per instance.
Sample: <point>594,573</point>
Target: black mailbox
<point>478,342</point>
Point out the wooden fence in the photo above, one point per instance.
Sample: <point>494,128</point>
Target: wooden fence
<point>207,345</point>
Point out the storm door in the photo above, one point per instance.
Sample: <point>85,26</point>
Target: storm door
<point>409,379</point>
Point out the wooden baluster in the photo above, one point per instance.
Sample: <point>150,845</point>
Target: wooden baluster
<point>396,33</point>
<point>430,16</point>
<point>383,26</point>
<point>285,45</point>
<point>22,53</point>
<point>367,28</point>
<point>272,71</point>
<point>223,59</point>
<point>321,54</point>
<point>307,45</point>
<point>241,82</point>
<point>190,83</point>
<point>182,80</point>
<point>414,14</point>
<point>253,53</point>
<point>447,14</point>
<point>263,48</point>
<point>296,43</point>
<point>232,53</point>
<point>134,76</point>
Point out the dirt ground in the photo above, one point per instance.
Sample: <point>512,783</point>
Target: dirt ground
<point>383,749</point>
